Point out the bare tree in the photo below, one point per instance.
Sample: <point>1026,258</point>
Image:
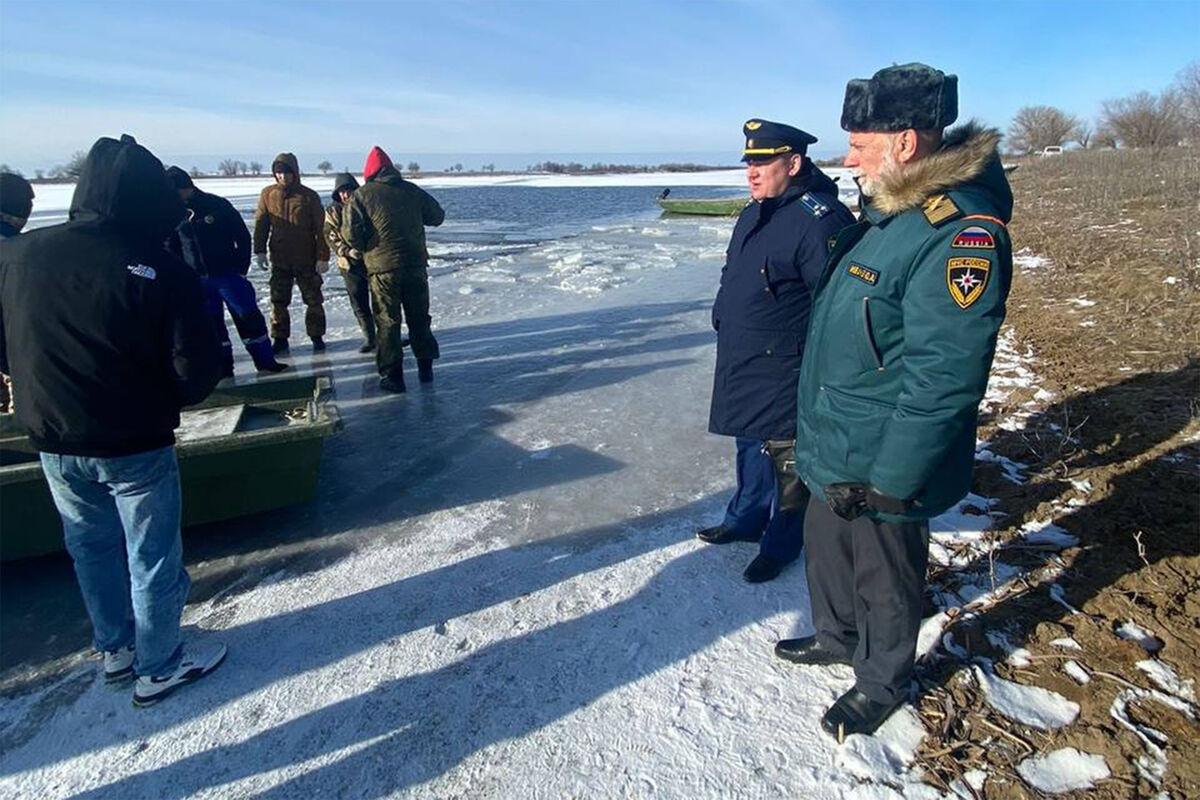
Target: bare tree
<point>1187,86</point>
<point>325,166</point>
<point>1082,135</point>
<point>1038,127</point>
<point>74,167</point>
<point>413,167</point>
<point>196,173</point>
<point>242,167</point>
<point>1144,119</point>
<point>39,174</point>
<point>256,168</point>
<point>228,167</point>
<point>458,167</point>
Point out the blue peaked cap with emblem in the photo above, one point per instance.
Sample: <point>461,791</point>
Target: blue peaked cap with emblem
<point>766,139</point>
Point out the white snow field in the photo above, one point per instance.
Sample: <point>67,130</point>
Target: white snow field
<point>497,592</point>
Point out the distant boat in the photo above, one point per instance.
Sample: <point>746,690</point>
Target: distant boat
<point>706,207</point>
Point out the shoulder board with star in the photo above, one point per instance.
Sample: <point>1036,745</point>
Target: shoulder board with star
<point>814,206</point>
<point>940,209</point>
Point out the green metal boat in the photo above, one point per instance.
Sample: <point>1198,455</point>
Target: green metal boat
<point>707,207</point>
<point>245,449</point>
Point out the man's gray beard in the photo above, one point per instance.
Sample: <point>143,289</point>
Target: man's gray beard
<point>868,186</point>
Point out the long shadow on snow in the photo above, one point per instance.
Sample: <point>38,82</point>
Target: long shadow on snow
<point>401,457</point>
<point>320,636</point>
<point>420,726</point>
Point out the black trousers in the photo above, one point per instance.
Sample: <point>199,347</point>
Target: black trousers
<point>358,288</point>
<point>401,295</point>
<point>866,580</point>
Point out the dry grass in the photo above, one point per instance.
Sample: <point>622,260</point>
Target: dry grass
<point>1114,459</point>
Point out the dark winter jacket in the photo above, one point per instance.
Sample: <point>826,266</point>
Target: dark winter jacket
<point>105,332</point>
<point>212,239</point>
<point>333,225</point>
<point>904,328</point>
<point>773,263</point>
<point>288,222</point>
<point>386,219</point>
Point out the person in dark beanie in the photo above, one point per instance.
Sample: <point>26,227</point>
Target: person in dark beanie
<point>772,267</point>
<point>354,270</point>
<point>903,332</point>
<point>16,203</point>
<point>215,242</point>
<point>107,337</point>
<point>289,224</point>
<point>385,220</point>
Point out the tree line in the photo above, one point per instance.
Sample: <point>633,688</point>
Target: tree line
<point>1143,119</point>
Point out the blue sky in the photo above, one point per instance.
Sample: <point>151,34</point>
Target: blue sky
<point>322,77</point>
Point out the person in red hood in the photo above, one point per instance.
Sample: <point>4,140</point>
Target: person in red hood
<point>385,220</point>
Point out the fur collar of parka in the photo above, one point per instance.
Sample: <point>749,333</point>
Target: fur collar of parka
<point>963,157</point>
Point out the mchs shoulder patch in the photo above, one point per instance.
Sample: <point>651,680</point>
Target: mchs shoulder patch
<point>864,274</point>
<point>966,278</point>
<point>974,237</point>
<point>142,271</point>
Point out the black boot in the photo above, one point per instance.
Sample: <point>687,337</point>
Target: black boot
<point>368,345</point>
<point>854,712</point>
<point>393,383</point>
<point>763,569</point>
<point>318,344</point>
<point>425,370</point>
<point>279,345</point>
<point>722,534</point>
<point>273,366</point>
<point>808,651</point>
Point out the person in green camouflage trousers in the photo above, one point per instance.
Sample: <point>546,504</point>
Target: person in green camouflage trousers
<point>903,331</point>
<point>385,220</point>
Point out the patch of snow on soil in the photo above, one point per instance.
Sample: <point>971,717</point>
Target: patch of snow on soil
<point>1064,770</point>
<point>1028,705</point>
<point>1167,679</point>
<point>1130,631</point>
<point>1076,673</point>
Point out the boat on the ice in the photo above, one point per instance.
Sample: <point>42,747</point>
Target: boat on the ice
<point>707,207</point>
<point>245,449</point>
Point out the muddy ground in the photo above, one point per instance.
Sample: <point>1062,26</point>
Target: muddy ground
<point>1111,313</point>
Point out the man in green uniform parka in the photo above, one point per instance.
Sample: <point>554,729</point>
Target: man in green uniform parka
<point>904,327</point>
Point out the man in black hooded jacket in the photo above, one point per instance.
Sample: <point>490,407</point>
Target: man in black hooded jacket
<point>215,242</point>
<point>106,336</point>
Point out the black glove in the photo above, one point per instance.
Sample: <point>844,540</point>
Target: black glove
<point>847,500</point>
<point>851,500</point>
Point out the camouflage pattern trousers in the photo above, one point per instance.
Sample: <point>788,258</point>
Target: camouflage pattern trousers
<point>283,276</point>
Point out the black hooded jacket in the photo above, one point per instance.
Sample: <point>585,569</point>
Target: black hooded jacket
<point>103,331</point>
<point>213,238</point>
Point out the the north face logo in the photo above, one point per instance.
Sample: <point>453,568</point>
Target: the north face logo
<point>142,271</point>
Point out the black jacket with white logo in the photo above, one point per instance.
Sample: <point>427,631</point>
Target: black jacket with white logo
<point>104,332</point>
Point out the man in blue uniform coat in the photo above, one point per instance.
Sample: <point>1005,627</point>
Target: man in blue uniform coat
<point>761,313</point>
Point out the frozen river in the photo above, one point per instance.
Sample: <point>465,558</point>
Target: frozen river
<point>497,592</point>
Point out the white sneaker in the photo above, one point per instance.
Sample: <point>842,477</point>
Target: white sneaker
<point>118,664</point>
<point>195,665</point>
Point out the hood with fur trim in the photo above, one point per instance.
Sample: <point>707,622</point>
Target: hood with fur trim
<point>968,155</point>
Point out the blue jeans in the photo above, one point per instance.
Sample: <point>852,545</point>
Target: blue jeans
<point>121,521</point>
<point>753,508</point>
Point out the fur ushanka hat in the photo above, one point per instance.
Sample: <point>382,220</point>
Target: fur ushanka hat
<point>901,97</point>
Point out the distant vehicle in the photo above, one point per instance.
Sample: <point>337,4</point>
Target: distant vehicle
<point>1052,150</point>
